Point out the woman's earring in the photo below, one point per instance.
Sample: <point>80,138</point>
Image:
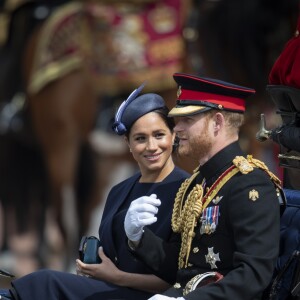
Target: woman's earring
<point>130,150</point>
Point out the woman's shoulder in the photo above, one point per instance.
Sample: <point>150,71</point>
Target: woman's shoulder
<point>127,181</point>
<point>179,173</point>
<point>174,179</point>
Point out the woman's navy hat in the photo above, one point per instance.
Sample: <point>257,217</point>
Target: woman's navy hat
<point>198,94</point>
<point>134,107</point>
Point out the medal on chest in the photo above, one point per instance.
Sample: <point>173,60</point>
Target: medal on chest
<point>209,219</point>
<point>211,258</point>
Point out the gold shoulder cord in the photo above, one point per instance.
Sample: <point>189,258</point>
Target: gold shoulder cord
<point>184,216</point>
<point>259,164</point>
<point>186,213</point>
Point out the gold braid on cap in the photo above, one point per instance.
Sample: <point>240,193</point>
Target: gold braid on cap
<point>184,216</point>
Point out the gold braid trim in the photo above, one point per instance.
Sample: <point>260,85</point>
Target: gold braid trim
<point>246,165</point>
<point>177,209</point>
<point>259,164</point>
<point>184,216</point>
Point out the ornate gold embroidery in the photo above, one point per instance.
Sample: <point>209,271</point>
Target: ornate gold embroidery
<point>242,164</point>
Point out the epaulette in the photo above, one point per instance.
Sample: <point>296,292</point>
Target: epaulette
<point>247,165</point>
<point>259,164</point>
<point>243,164</point>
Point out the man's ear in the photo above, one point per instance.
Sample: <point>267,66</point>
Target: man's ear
<point>219,121</point>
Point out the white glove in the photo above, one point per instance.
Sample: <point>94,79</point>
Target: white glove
<point>141,212</point>
<point>162,297</point>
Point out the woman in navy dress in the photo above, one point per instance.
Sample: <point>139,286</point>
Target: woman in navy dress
<point>149,134</point>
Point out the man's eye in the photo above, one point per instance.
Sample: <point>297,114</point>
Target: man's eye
<point>188,120</point>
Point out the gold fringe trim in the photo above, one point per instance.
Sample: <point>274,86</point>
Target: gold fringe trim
<point>53,72</point>
<point>40,76</point>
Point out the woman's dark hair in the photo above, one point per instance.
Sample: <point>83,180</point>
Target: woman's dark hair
<point>163,112</point>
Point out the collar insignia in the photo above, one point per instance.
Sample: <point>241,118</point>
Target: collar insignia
<point>253,195</point>
<point>217,199</point>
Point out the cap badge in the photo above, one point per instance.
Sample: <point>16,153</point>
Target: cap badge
<point>211,258</point>
<point>179,91</point>
<point>253,195</point>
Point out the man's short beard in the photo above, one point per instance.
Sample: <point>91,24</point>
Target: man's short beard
<point>198,147</point>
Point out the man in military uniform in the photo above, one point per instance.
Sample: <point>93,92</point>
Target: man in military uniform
<point>226,215</point>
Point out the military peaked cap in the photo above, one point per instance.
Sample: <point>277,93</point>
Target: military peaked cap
<point>198,94</point>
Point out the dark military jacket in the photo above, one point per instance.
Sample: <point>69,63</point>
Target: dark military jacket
<point>243,245</point>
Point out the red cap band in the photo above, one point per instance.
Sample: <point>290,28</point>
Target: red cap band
<point>227,102</point>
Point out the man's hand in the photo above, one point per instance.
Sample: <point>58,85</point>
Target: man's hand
<point>162,297</point>
<point>141,212</point>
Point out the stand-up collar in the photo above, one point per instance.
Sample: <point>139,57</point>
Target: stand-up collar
<point>220,161</point>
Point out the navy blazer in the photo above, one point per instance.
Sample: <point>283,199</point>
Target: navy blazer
<point>166,191</point>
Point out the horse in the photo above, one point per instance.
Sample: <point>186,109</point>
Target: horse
<point>56,102</point>
<point>54,141</point>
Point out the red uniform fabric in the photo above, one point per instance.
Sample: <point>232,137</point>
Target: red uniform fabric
<point>286,69</point>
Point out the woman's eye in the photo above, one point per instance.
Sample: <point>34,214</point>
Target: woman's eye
<point>159,135</point>
<point>140,138</point>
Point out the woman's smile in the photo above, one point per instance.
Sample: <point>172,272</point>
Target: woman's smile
<point>153,157</point>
